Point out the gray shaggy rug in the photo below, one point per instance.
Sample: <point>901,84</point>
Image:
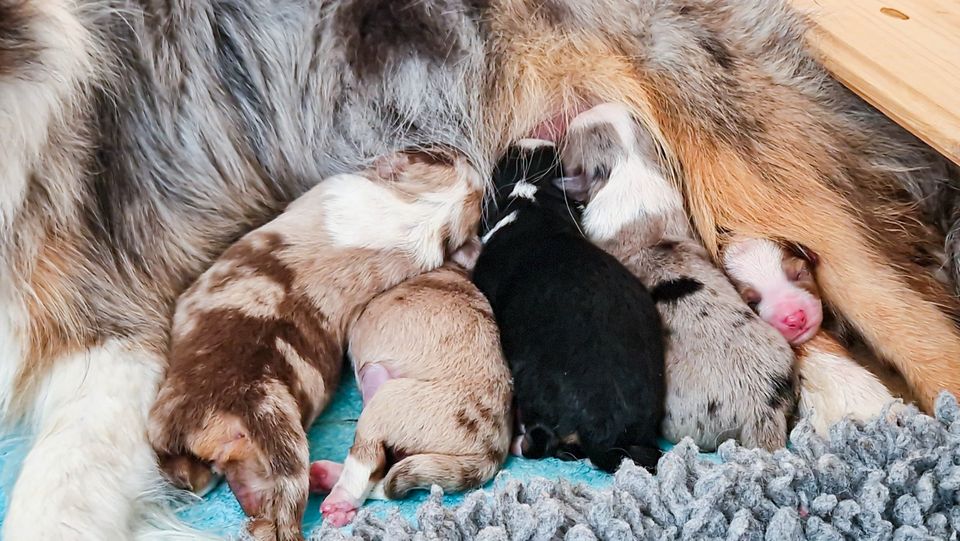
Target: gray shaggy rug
<point>895,479</point>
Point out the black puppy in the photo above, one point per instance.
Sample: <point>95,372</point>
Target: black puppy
<point>580,332</point>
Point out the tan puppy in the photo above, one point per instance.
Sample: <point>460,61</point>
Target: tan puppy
<point>258,340</point>
<point>436,392</point>
<point>779,285</point>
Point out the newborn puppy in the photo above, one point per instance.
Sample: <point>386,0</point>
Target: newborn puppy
<point>729,375</point>
<point>580,333</point>
<point>258,340</point>
<point>436,394</point>
<point>779,285</point>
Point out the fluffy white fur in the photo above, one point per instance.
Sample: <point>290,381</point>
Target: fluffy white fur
<point>12,321</point>
<point>390,218</point>
<point>90,466</point>
<point>640,189</point>
<point>834,387</point>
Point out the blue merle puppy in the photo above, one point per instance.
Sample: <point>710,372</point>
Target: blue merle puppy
<point>729,373</point>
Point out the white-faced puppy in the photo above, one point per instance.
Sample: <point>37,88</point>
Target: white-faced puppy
<point>436,394</point>
<point>779,285</point>
<point>258,340</point>
<point>580,332</point>
<point>729,375</point>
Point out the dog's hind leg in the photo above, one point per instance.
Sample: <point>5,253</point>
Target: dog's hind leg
<point>90,461</point>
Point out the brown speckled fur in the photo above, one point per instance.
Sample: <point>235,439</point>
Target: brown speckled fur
<point>258,340</point>
<point>446,411</point>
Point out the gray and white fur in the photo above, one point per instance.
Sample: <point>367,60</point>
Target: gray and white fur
<point>728,375</point>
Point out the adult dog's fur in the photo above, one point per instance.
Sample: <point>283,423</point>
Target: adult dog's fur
<point>140,137</point>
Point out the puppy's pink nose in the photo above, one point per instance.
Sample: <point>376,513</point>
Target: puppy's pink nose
<point>796,320</point>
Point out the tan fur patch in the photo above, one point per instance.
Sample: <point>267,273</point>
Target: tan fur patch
<point>444,417</point>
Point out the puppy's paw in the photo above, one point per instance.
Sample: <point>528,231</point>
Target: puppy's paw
<point>189,473</point>
<point>516,448</point>
<point>339,508</point>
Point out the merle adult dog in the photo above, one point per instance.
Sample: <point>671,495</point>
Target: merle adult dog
<point>141,137</point>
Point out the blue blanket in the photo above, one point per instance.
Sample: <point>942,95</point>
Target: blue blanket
<point>330,438</point>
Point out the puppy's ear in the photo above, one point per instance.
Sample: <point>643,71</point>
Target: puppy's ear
<point>390,166</point>
<point>466,256</point>
<point>799,250</point>
<point>576,187</point>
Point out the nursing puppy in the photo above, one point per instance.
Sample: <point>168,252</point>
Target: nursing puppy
<point>141,138</point>
<point>581,334</point>
<point>258,340</point>
<point>436,395</point>
<point>729,375</point>
<point>778,285</point>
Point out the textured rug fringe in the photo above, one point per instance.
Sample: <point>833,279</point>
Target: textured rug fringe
<point>897,477</point>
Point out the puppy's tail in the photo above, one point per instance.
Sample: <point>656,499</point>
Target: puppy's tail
<point>452,473</point>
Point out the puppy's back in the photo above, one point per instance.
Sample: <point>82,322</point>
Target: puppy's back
<point>461,342</point>
<point>580,332</point>
<point>731,373</point>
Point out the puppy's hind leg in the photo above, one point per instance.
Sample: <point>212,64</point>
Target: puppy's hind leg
<point>767,430</point>
<point>264,457</point>
<point>361,474</point>
<point>189,473</point>
<point>363,469</point>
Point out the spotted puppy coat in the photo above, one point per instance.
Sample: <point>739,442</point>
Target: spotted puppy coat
<point>436,391</point>
<point>729,374</point>
<point>258,340</point>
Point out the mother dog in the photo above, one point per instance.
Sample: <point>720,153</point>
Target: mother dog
<point>140,137</point>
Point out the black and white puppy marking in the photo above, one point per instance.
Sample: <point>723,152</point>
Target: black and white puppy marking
<point>728,375</point>
<point>581,333</point>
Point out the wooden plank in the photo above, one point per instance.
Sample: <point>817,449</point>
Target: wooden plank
<point>902,56</point>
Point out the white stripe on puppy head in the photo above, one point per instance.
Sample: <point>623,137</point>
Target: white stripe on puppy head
<point>533,144</point>
<point>524,190</point>
<point>757,263</point>
<point>508,219</point>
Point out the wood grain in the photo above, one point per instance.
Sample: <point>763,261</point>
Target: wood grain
<point>902,56</point>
